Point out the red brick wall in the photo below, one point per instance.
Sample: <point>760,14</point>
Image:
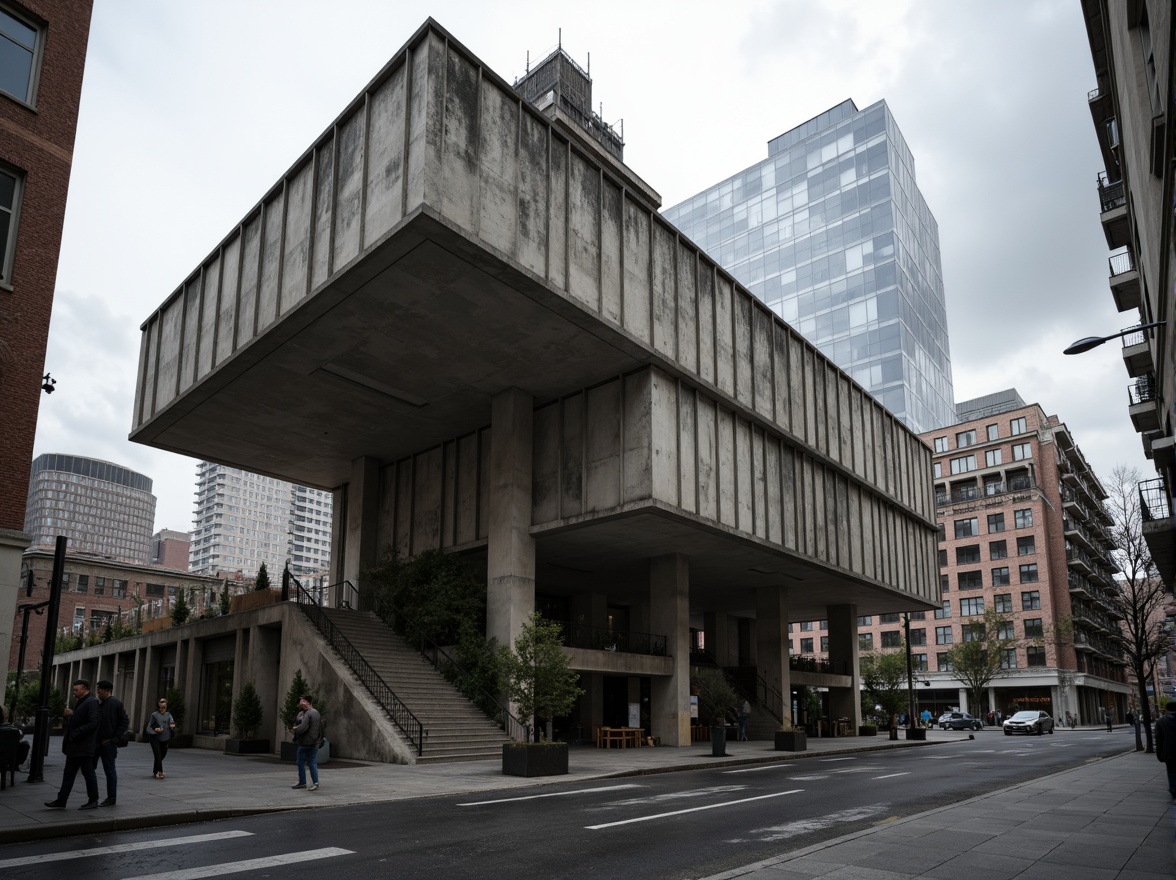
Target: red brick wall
<point>39,143</point>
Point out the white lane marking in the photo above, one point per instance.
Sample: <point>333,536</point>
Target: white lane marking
<point>892,775</point>
<point>121,848</point>
<point>246,865</point>
<point>807,778</point>
<point>773,833</point>
<point>940,757</point>
<point>688,794</point>
<point>678,812</point>
<point>830,760</point>
<point>532,797</point>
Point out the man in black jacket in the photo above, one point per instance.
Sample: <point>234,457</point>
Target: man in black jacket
<point>79,744</point>
<point>112,724</point>
<point>1166,745</point>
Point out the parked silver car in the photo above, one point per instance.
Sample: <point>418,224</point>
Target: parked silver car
<point>1029,722</point>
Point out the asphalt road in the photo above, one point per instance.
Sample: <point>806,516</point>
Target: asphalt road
<point>673,825</point>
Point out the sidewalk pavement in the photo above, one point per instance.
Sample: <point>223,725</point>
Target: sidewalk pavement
<point>1104,816</point>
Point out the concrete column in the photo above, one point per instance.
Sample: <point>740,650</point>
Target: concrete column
<point>147,695</point>
<point>715,629</point>
<point>361,530</point>
<point>669,595</point>
<point>191,685</point>
<point>843,646</point>
<point>771,649</point>
<point>132,696</point>
<point>510,549</point>
<point>963,699</point>
<point>12,545</point>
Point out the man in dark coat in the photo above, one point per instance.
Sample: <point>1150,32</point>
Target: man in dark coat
<point>113,722</point>
<point>79,745</point>
<point>1166,745</point>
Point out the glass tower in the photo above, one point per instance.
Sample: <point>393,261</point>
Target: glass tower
<point>832,233</point>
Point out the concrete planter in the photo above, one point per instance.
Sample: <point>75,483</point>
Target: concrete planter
<point>718,738</point>
<point>868,730</point>
<point>247,746</point>
<point>916,733</point>
<point>791,741</point>
<point>534,759</point>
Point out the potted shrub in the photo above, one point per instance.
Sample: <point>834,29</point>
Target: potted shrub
<point>175,705</point>
<point>289,715</point>
<point>717,699</point>
<point>536,676</point>
<point>247,717</point>
<point>868,730</point>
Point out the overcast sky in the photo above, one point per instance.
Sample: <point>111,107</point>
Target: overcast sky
<point>191,111</point>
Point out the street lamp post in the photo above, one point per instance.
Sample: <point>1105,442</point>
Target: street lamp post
<point>1086,343</point>
<point>906,624</point>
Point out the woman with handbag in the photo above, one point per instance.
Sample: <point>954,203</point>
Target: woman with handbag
<point>160,728</point>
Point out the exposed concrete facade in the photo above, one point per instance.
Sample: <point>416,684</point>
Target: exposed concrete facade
<point>477,333</point>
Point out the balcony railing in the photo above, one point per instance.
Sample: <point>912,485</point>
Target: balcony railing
<point>1120,263</point>
<point>1111,195</point>
<point>974,493</point>
<point>1135,335</point>
<point>805,663</point>
<point>599,638</point>
<point>1142,390</point>
<point>1154,503</point>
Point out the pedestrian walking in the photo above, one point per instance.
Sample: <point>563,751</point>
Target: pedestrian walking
<point>161,726</point>
<point>308,729</point>
<point>79,744</point>
<point>744,717</point>
<point>1166,745</point>
<point>1107,718</point>
<point>926,717</point>
<point>113,725</point>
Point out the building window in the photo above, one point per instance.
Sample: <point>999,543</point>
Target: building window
<point>917,615</point>
<point>943,559</point>
<point>967,554</point>
<point>1023,519</point>
<point>888,618</point>
<point>156,590</point>
<point>937,470</point>
<point>1008,659</point>
<point>993,432</point>
<point>118,589</point>
<point>970,580</point>
<point>825,644</point>
<point>944,661</point>
<point>10,190</point>
<point>918,637</point>
<point>1031,601</point>
<point>967,528</point>
<point>1034,629</point>
<point>865,621</point>
<point>1003,603</point>
<point>941,444</point>
<point>1022,451</point>
<point>1004,631</point>
<point>963,464</point>
<point>919,662</point>
<point>992,458</point>
<point>1029,573</point>
<point>996,522</point>
<point>99,586</point>
<point>865,641</point>
<point>971,607</point>
<point>943,635</point>
<point>1000,577</point>
<point>83,583</point>
<point>19,46</point>
<point>1035,655</point>
<point>944,611</point>
<point>806,646</point>
<point>1026,546</point>
<point>806,626</point>
<point>944,583</point>
<point>997,550</point>
<point>892,639</point>
<point>1017,426</point>
<point>965,438</point>
<point>972,632</point>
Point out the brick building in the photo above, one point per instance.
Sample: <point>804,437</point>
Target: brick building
<point>1022,529</point>
<point>44,43</point>
<point>96,589</point>
<point>169,549</point>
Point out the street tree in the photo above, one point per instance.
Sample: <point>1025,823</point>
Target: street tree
<point>884,683</point>
<point>537,675</point>
<point>1139,596</point>
<point>983,653</point>
<point>263,580</point>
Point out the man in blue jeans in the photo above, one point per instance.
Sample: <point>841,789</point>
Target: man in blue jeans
<point>113,723</point>
<point>308,729</point>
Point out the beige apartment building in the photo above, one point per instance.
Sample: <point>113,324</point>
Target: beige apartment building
<point>1022,529</point>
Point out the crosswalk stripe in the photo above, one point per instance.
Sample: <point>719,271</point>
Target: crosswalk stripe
<point>246,865</point>
<point>667,815</point>
<point>121,848</point>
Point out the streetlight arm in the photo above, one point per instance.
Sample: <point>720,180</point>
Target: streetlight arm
<point>1086,343</point>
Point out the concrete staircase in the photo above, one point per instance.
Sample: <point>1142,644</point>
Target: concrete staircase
<point>455,729</point>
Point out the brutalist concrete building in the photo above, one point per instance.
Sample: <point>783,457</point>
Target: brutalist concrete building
<point>468,321</point>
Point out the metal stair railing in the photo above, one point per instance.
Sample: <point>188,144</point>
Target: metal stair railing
<point>400,714</point>
<point>441,660</point>
<point>769,698</point>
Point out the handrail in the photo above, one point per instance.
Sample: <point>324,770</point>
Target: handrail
<point>1142,390</point>
<point>581,635</point>
<point>769,698</point>
<point>400,714</point>
<point>1154,503</point>
<point>444,663</point>
<point>805,663</point>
